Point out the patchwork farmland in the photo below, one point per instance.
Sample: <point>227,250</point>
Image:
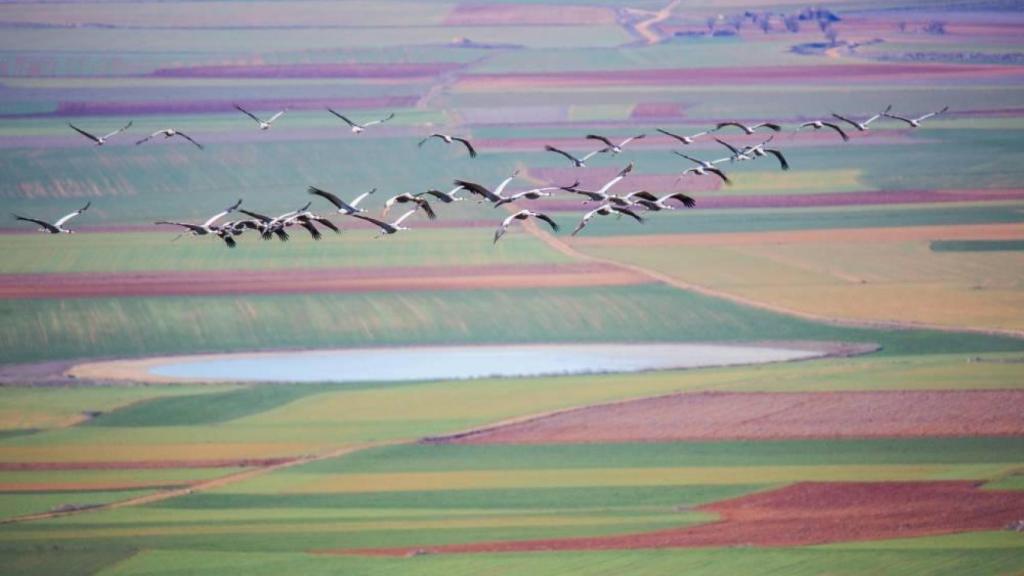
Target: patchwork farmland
<point>898,255</point>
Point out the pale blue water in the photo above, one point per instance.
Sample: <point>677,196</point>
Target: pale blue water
<point>460,362</point>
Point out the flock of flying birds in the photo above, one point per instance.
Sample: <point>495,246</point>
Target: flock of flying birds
<point>609,204</point>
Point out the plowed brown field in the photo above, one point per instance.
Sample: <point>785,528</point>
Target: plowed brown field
<point>767,415</point>
<point>173,283</point>
<point>800,515</point>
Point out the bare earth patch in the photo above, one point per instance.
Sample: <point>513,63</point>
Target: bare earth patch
<point>145,464</point>
<point>769,415</point>
<point>799,515</point>
<point>304,281</point>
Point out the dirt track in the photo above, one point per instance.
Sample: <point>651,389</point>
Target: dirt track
<point>760,416</point>
<point>799,515</point>
<point>344,280</point>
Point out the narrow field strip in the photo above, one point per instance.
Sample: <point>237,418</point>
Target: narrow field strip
<point>777,415</point>
<point>98,285</point>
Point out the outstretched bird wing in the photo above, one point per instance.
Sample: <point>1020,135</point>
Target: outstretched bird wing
<point>927,116</point>
<point>466,143</point>
<point>721,125</point>
<point>61,222</point>
<point>426,207</point>
<point>479,190</point>
<point>851,122</point>
<point>546,218</point>
<point>690,158</point>
<point>735,151</point>
<point>189,138</point>
<point>682,139</point>
<point>435,135</point>
<point>386,226</point>
<point>720,174</point>
<point>627,212</point>
<point>276,116</point>
<point>147,138</point>
<point>837,129</point>
<point>600,138</point>
<point>687,201</point>
<point>261,217</point>
<point>896,117</point>
<point>338,202</point>
<point>631,138</point>
<point>83,132</point>
<point>311,228</point>
<point>381,121</point>
<point>342,116</point>
<point>193,227</point>
<point>119,130</point>
<point>49,227</point>
<point>247,113</point>
<point>574,160</point>
<point>585,220</point>
<point>778,154</point>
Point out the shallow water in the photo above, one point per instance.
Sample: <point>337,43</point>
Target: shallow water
<point>460,362</point>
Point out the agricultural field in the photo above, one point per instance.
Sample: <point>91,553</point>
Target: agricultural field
<point>897,257</point>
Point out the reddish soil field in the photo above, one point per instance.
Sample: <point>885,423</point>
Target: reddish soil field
<point>423,70</point>
<point>86,486</point>
<point>801,515</point>
<point>812,74</point>
<point>176,283</point>
<point>483,15</point>
<point>145,464</point>
<point>768,415</point>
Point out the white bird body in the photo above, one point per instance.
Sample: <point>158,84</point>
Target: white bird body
<point>100,140</point>
<point>346,208</point>
<point>605,210</point>
<point>360,128</point>
<point>819,124</point>
<point>748,130</point>
<point>686,139</point>
<point>532,194</point>
<point>448,139</point>
<point>611,146</point>
<point>601,195</point>
<point>208,227</point>
<point>915,122</point>
<point>522,215</point>
<point>169,133</point>
<point>263,124</point>
<point>405,198</point>
<point>658,204</point>
<point>446,197</point>
<point>577,162</point>
<point>58,226</point>
<point>387,228</point>
<point>862,126</point>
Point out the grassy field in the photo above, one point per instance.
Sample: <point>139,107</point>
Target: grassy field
<point>497,73</point>
<point>847,279</point>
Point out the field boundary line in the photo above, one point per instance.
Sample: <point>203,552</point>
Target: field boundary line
<point>207,484</point>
